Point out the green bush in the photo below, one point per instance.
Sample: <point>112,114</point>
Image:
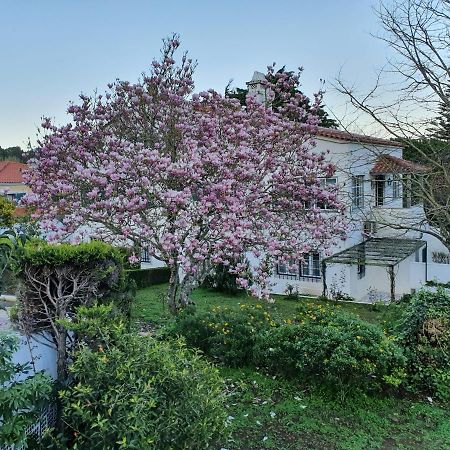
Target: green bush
<point>57,278</point>
<point>22,396</point>
<point>131,391</point>
<point>148,277</point>
<point>425,334</point>
<point>222,280</point>
<point>223,333</point>
<point>337,349</point>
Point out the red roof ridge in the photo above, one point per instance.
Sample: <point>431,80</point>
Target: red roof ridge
<point>354,137</point>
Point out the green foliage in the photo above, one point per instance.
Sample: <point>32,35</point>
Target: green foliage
<point>95,265</point>
<point>222,280</point>
<point>11,241</point>
<point>333,348</point>
<point>21,398</point>
<point>40,253</point>
<point>274,413</point>
<point>425,334</point>
<point>224,333</point>
<point>241,95</point>
<point>7,209</point>
<point>149,277</point>
<point>57,278</point>
<point>131,391</point>
<point>15,154</point>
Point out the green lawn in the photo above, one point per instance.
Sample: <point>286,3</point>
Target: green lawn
<point>271,413</point>
<point>149,305</point>
<point>268,412</point>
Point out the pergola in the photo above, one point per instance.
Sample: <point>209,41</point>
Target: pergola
<point>384,252</point>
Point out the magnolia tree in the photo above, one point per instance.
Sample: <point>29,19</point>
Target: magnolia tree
<point>193,178</point>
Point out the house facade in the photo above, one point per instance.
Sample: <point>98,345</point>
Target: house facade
<point>12,185</point>
<point>382,258</point>
<point>377,261</point>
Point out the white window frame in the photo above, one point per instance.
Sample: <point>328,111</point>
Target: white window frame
<point>358,191</point>
<point>307,267</point>
<point>396,183</point>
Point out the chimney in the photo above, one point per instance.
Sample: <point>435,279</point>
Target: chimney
<point>257,88</point>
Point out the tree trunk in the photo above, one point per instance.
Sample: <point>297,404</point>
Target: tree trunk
<point>61,358</point>
<point>187,285</point>
<point>61,371</point>
<point>174,283</point>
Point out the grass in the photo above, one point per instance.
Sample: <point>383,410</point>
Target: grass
<point>149,305</point>
<point>272,413</point>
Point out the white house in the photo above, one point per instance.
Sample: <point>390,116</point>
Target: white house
<point>377,261</point>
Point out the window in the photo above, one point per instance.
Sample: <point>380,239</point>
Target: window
<point>379,190</point>
<point>310,266</point>
<point>287,268</point>
<point>358,191</point>
<point>424,255</point>
<point>361,271</point>
<point>15,197</point>
<point>370,227</point>
<point>325,182</point>
<point>145,256</point>
<point>396,183</point>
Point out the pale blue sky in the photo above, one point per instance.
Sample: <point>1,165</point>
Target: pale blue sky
<point>51,50</point>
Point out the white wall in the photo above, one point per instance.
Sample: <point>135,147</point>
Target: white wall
<point>33,351</point>
<point>439,272</point>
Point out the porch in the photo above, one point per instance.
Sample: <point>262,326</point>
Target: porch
<point>381,252</point>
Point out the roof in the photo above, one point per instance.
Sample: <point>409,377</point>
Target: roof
<point>257,78</point>
<point>377,252</point>
<point>353,137</point>
<point>11,171</point>
<point>392,164</point>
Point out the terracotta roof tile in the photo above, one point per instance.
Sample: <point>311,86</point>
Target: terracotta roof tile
<point>392,164</point>
<point>352,137</point>
<point>11,171</point>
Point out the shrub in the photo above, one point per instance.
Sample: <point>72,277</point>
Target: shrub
<point>55,279</point>
<point>223,333</point>
<point>337,349</point>
<point>149,277</point>
<point>7,208</point>
<point>221,279</point>
<point>131,391</point>
<point>22,396</point>
<point>425,334</point>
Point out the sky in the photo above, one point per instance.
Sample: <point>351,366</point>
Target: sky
<point>52,50</point>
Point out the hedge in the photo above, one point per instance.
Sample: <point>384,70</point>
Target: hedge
<point>148,277</point>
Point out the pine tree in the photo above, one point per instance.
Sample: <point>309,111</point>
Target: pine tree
<point>241,95</point>
<point>441,125</point>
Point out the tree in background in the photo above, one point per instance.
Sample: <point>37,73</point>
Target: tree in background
<point>194,179</point>
<point>440,128</point>
<point>289,83</point>
<point>7,208</point>
<point>417,32</point>
<point>15,154</point>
